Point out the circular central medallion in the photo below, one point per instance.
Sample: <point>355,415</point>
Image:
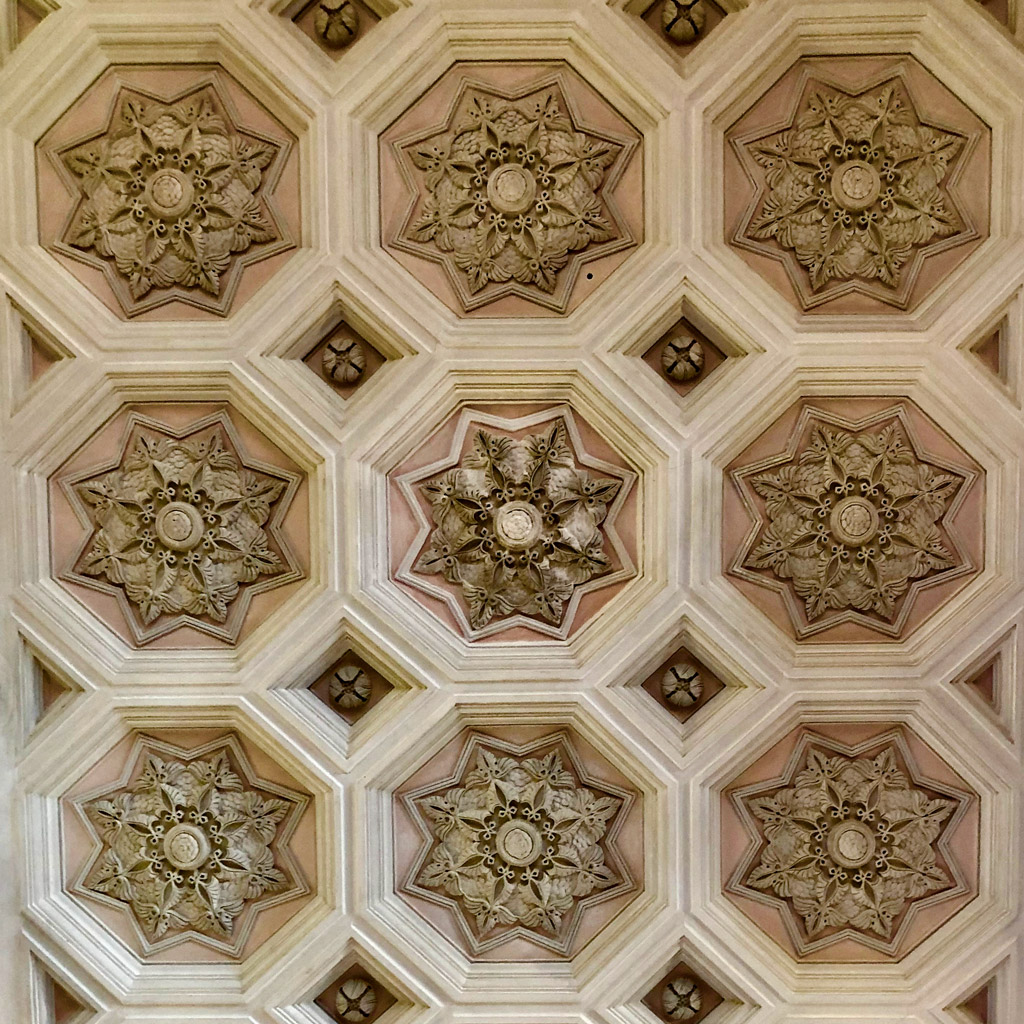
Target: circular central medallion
<point>851,844</point>
<point>179,526</point>
<point>854,521</point>
<point>518,843</point>
<point>856,185</point>
<point>169,193</point>
<point>185,847</point>
<point>517,524</point>
<point>511,188</point>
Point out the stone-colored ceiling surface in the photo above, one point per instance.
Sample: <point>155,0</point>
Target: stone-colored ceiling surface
<point>512,509</point>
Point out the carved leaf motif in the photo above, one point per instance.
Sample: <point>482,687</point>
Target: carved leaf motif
<point>511,190</point>
<point>518,526</point>
<point>170,192</point>
<point>855,186</point>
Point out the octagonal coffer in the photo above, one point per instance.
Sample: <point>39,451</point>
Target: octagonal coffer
<point>862,847</point>
<point>180,524</point>
<point>857,184</point>
<point>521,529</point>
<point>511,189</point>
<point>176,840</point>
<point>169,191</point>
<point>511,837</point>
<point>853,519</point>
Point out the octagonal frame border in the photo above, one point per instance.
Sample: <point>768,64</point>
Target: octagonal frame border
<point>737,568</point>
<point>49,904</point>
<point>465,418</point>
<point>923,30</point>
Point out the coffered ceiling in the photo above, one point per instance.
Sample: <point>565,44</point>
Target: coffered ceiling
<point>512,510</point>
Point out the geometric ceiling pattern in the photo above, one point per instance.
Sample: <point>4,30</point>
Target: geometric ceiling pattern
<point>512,505</point>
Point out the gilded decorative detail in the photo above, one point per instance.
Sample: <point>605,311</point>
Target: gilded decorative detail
<point>173,198</point>
<point>190,842</point>
<point>519,527</point>
<point>850,842</point>
<point>519,845</point>
<point>180,527</point>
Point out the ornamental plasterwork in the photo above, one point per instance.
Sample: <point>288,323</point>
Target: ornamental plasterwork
<point>850,843</point>
<point>519,842</point>
<point>521,523</point>
<point>514,193</point>
<point>852,520</point>
<point>191,844</point>
<point>184,529</point>
<point>855,189</point>
<point>174,198</point>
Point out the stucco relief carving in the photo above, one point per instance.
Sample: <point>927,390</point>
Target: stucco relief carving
<point>513,191</point>
<point>351,688</point>
<point>184,528</point>
<point>191,843</point>
<point>520,841</point>
<point>343,358</point>
<point>850,842</point>
<point>684,358</point>
<point>519,527</point>
<point>355,996</point>
<point>174,196</point>
<point>333,25</point>
<point>856,185</point>
<point>682,685</point>
<point>852,519</point>
<point>683,996</point>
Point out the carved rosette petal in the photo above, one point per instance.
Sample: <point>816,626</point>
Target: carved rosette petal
<point>174,195</point>
<point>854,518</point>
<point>191,844</point>
<point>184,528</point>
<point>857,186</point>
<point>519,842</point>
<point>519,524</point>
<point>513,191</point>
<point>851,842</point>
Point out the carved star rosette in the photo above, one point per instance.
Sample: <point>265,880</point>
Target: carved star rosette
<point>517,524</point>
<point>855,189</point>
<point>191,845</point>
<point>850,843</point>
<point>852,521</point>
<point>518,843</point>
<point>175,197</point>
<point>184,528</point>
<point>513,192</point>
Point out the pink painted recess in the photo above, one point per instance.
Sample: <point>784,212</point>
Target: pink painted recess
<point>964,845</point>
<point>78,844</point>
<point>969,520</point>
<point>403,526</point>
<point>91,114</point>
<point>67,531</point>
<point>629,840</point>
<point>431,111</point>
<point>934,103</point>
